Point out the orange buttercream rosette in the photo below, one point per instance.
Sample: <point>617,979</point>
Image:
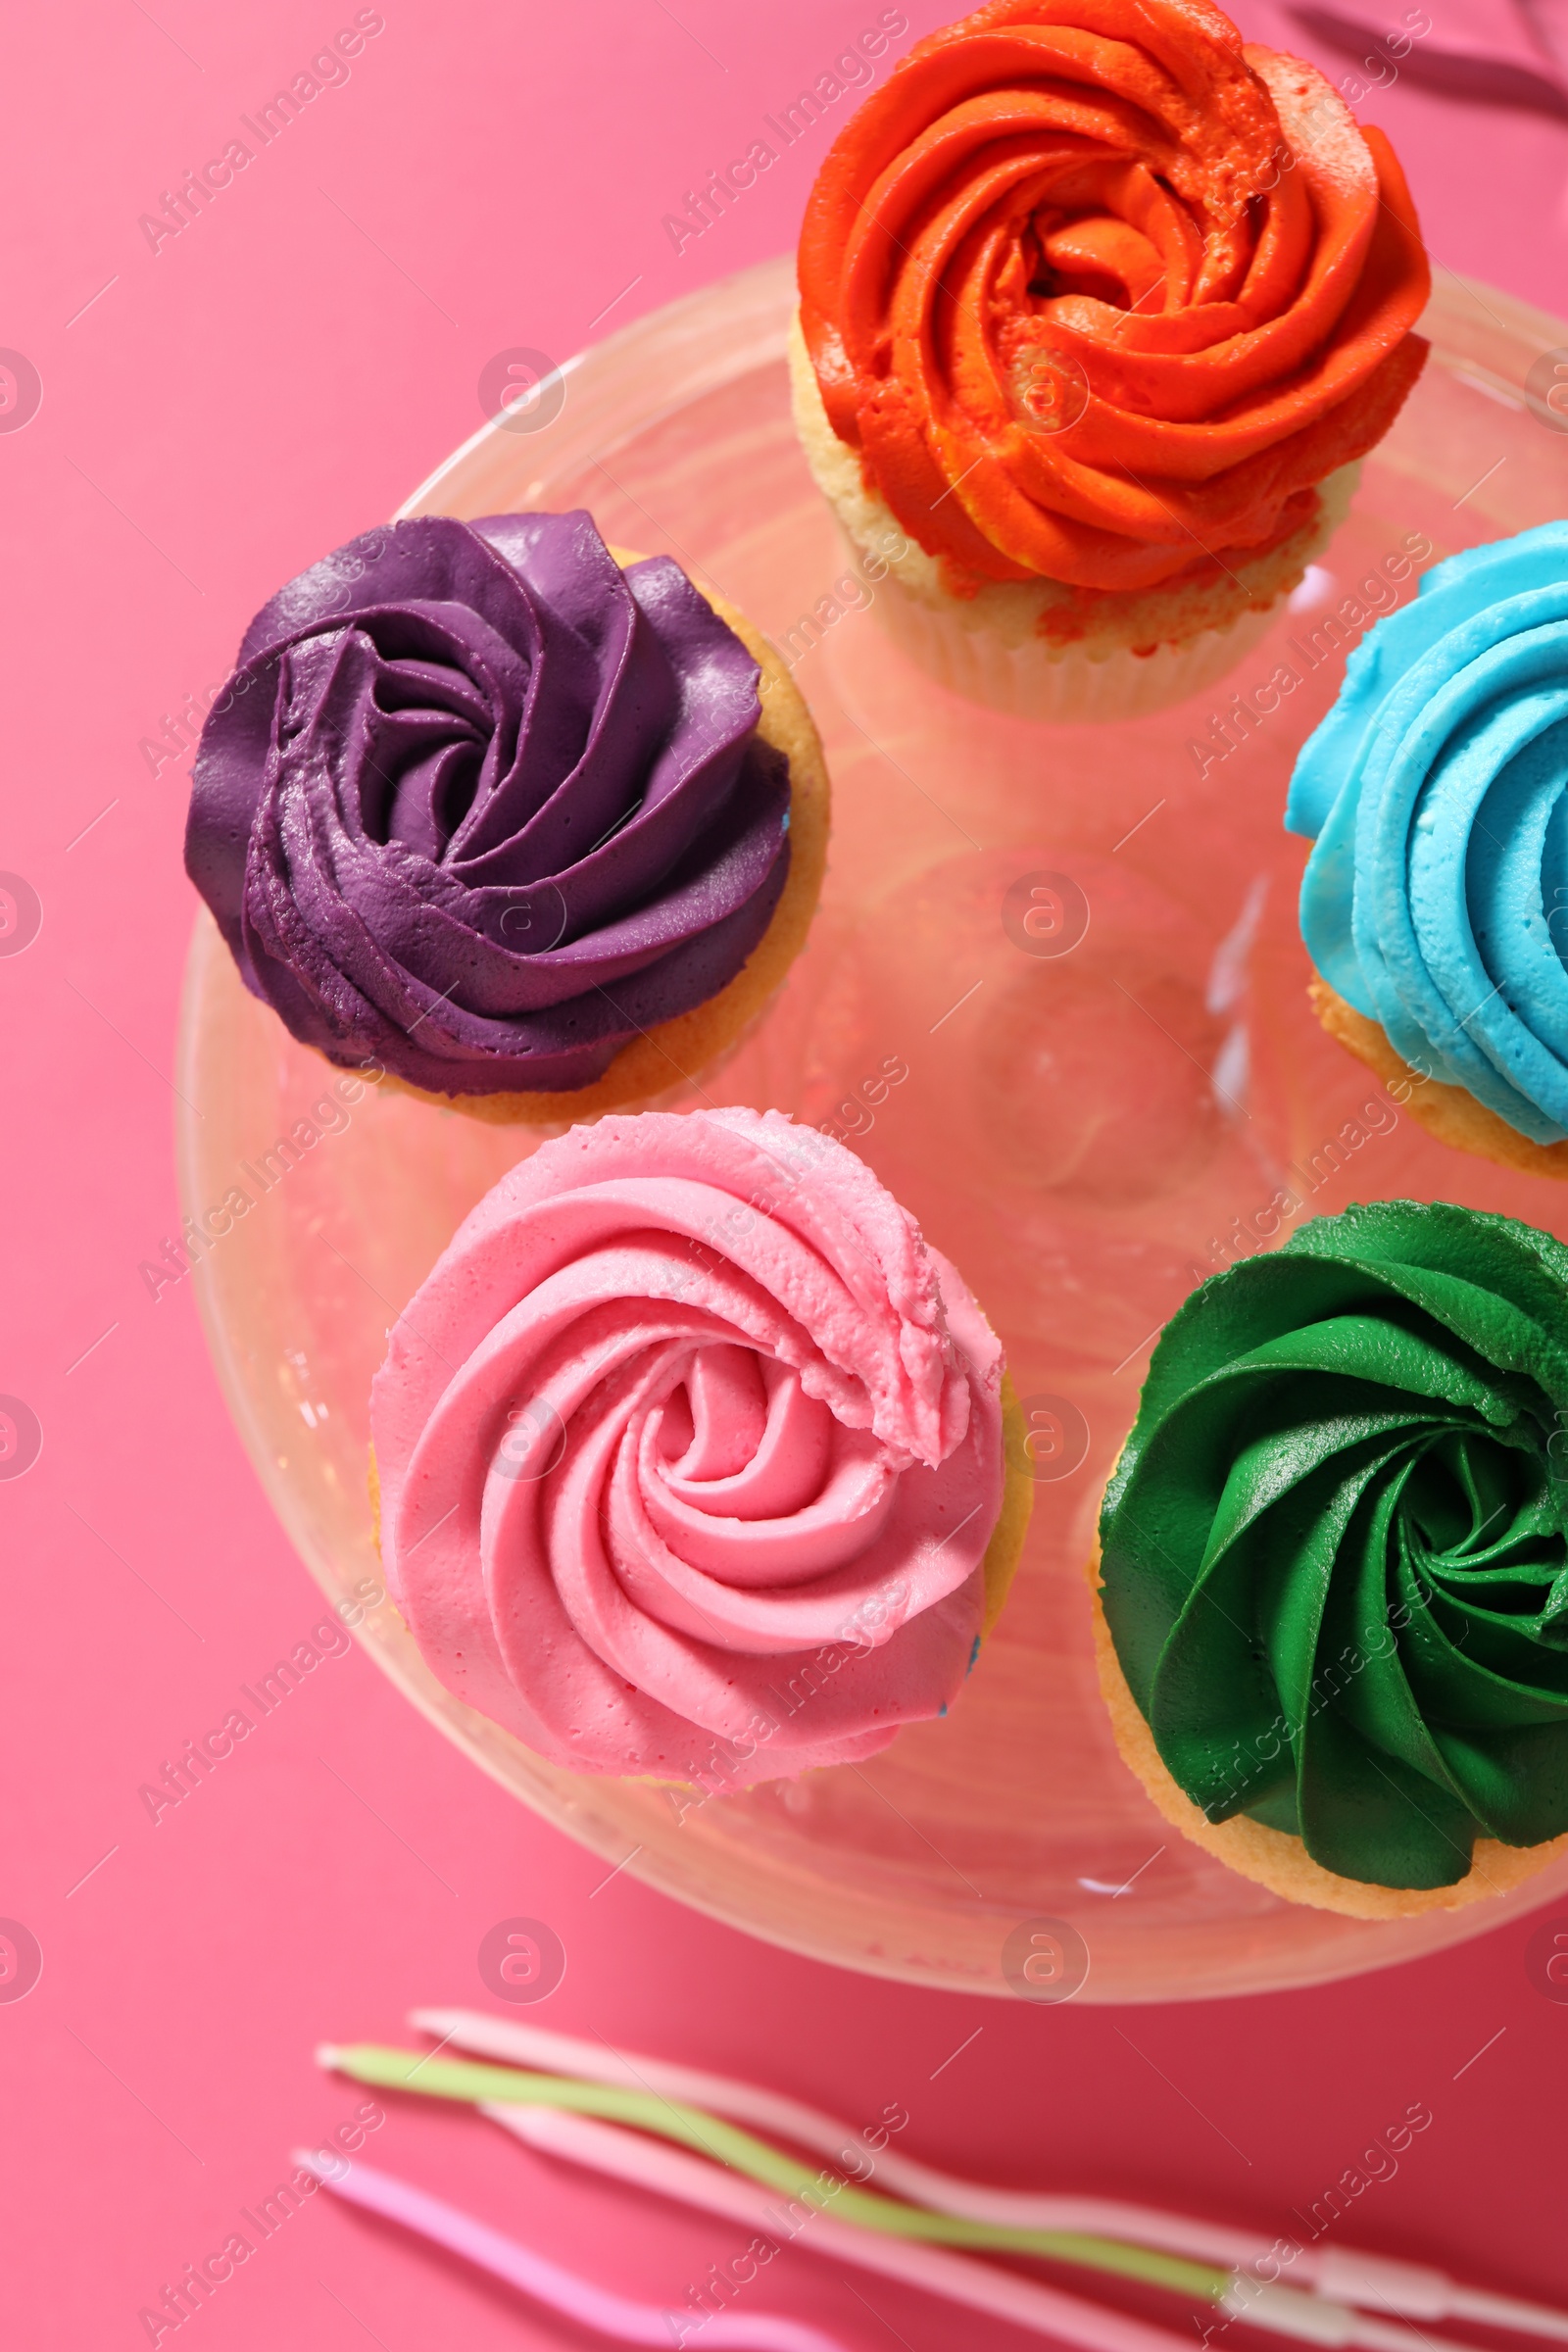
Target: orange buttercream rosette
<point>1186,241</point>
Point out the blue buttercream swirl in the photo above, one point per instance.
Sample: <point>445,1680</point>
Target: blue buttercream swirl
<point>1435,795</point>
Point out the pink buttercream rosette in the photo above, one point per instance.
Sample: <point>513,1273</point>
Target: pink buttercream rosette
<point>690,1450</point>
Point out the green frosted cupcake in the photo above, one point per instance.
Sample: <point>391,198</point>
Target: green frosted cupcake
<point>1333,1574</point>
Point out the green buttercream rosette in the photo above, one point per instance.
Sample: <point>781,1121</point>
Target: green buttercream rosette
<point>1334,1549</point>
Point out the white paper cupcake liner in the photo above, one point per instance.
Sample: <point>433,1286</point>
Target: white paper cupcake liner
<point>1069,688</point>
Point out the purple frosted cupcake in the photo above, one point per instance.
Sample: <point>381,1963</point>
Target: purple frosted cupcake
<point>531,824</point>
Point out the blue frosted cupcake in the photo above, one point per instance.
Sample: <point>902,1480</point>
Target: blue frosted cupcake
<point>1435,903</point>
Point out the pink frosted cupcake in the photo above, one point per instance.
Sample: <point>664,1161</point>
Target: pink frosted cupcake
<point>691,1455</point>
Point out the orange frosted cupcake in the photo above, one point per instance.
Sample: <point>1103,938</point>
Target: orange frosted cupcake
<point>1100,306</point>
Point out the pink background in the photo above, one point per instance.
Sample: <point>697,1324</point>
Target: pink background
<point>272,380</point>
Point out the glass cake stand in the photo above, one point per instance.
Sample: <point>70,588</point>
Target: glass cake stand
<point>1056,997</point>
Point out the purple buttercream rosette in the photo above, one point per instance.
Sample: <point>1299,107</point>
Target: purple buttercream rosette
<point>479,806</point>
